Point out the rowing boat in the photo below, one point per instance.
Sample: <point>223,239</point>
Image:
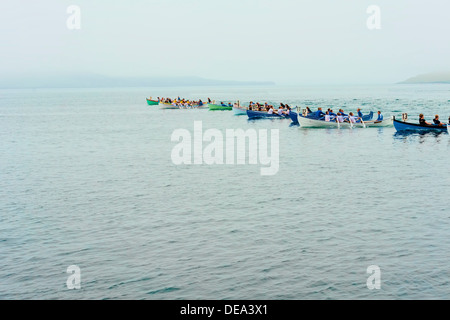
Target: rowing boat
<point>262,114</point>
<point>318,115</point>
<point>164,105</point>
<point>216,107</point>
<point>401,126</point>
<point>152,102</point>
<point>306,122</point>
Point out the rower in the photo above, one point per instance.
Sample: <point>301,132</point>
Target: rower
<point>288,110</point>
<point>223,104</point>
<point>270,111</point>
<point>319,113</point>
<point>327,116</point>
<point>341,111</point>
<point>359,113</point>
<point>380,116</point>
<point>339,118</point>
<point>422,120</point>
<point>280,111</point>
<point>351,118</point>
<point>437,121</point>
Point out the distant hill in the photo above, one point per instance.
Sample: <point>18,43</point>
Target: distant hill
<point>99,81</point>
<point>442,77</point>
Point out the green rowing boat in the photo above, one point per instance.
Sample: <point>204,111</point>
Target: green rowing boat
<point>215,107</point>
<point>152,102</point>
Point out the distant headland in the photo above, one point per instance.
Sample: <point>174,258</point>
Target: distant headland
<point>440,77</point>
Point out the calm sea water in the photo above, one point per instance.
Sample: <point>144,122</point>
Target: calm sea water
<point>86,179</point>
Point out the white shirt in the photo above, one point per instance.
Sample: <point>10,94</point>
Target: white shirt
<point>280,112</point>
<point>327,117</point>
<point>352,119</point>
<point>340,119</point>
<point>270,111</point>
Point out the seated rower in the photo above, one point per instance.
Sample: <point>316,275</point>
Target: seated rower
<point>437,122</point>
<point>332,113</point>
<point>339,118</point>
<point>270,111</point>
<point>280,111</point>
<point>351,118</point>
<point>229,104</point>
<point>341,111</point>
<point>288,110</point>
<point>422,121</point>
<point>327,116</point>
<point>223,104</point>
<point>380,116</point>
<point>359,113</point>
<point>319,113</point>
<point>308,110</point>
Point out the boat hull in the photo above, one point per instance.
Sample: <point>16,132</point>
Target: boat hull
<point>264,115</point>
<point>402,126</point>
<point>152,102</point>
<point>170,106</point>
<point>215,107</point>
<point>306,122</point>
<point>163,105</point>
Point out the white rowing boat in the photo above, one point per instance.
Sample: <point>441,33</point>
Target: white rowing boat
<point>314,123</point>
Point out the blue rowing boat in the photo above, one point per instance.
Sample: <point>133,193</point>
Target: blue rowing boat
<point>262,114</point>
<point>315,116</point>
<point>402,126</point>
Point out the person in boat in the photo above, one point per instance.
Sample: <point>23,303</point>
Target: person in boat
<point>270,111</point>
<point>280,111</point>
<point>341,111</point>
<point>437,122</point>
<point>308,110</point>
<point>359,113</point>
<point>200,103</point>
<point>352,118</point>
<point>380,116</point>
<point>422,120</point>
<point>332,113</point>
<point>288,110</point>
<point>327,116</point>
<point>339,117</point>
<point>319,112</point>
<point>229,104</point>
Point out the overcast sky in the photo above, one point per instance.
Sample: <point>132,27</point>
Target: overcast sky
<point>286,41</point>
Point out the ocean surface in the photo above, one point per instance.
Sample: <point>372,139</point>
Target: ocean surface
<point>87,179</point>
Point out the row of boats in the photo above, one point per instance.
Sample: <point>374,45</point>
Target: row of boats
<point>306,118</point>
<point>167,103</point>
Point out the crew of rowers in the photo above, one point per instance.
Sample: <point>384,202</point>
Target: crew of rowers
<point>283,109</point>
<point>182,103</point>
<point>341,116</point>
<point>436,121</point>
